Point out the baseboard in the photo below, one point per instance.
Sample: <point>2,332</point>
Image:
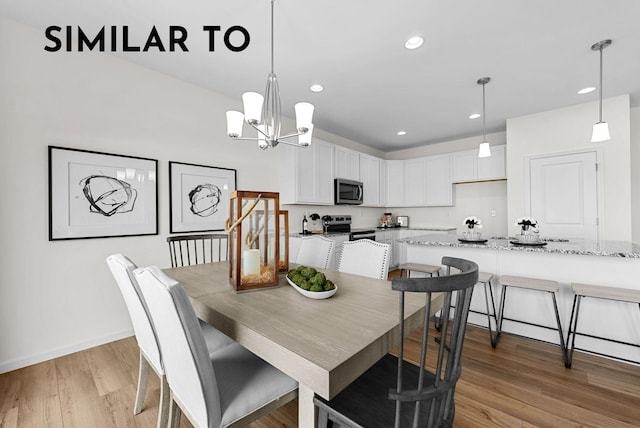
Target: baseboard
<point>55,353</point>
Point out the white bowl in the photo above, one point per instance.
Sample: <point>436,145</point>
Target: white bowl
<point>313,294</point>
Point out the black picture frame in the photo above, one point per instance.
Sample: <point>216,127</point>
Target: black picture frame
<point>101,195</point>
<point>199,197</point>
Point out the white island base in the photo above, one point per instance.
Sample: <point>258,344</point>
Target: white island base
<point>565,263</point>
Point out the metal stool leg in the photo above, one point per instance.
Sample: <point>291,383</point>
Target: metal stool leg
<point>492,337</point>
<point>562,344</point>
<point>501,312</point>
<point>573,327</point>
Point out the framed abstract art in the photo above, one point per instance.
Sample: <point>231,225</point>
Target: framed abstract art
<point>199,197</point>
<point>101,195</point>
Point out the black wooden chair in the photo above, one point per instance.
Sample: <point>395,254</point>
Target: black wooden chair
<point>188,250</point>
<point>394,392</point>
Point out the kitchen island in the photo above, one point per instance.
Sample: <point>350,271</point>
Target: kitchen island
<point>607,263</point>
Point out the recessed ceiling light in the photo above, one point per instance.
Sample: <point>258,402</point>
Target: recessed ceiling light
<point>316,87</point>
<point>586,90</point>
<point>474,116</point>
<point>402,133</point>
<point>414,42</point>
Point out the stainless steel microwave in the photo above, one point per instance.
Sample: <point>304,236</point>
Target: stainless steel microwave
<point>347,192</point>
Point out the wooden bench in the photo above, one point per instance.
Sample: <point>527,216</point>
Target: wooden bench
<point>597,292</point>
<point>536,284</point>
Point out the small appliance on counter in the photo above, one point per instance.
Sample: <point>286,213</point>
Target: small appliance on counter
<point>387,220</point>
<point>402,221</point>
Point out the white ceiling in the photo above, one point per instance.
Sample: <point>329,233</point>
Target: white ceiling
<point>537,54</point>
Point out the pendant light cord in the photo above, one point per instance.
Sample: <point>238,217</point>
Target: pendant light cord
<point>272,1</point>
<point>600,117</point>
<point>484,120</point>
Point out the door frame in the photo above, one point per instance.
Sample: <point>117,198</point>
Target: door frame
<point>599,181</point>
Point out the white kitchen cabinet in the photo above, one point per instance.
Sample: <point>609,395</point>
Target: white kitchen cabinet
<point>415,190</point>
<point>395,183</point>
<point>493,167</point>
<point>371,172</point>
<point>347,163</point>
<point>439,190</point>
<point>383,183</point>
<point>427,182</point>
<point>466,166</point>
<point>389,236</point>
<point>306,174</point>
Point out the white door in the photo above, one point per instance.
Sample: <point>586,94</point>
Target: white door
<point>564,195</point>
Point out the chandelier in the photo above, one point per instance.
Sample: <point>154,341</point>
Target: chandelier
<point>263,114</point>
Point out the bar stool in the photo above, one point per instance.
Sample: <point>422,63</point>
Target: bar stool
<point>485,279</point>
<point>544,285</point>
<point>419,267</point>
<point>597,292</point>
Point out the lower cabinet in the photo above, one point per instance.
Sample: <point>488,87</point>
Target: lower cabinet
<point>390,237</point>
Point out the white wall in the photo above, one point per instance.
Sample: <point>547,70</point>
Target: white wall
<point>635,174</point>
<point>58,297</point>
<point>569,129</point>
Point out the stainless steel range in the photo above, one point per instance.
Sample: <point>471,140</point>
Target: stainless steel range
<point>342,224</point>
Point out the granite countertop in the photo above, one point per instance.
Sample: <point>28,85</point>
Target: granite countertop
<point>378,228</point>
<point>559,246</point>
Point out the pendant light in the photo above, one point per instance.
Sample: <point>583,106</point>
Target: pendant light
<point>601,128</point>
<point>263,114</point>
<point>484,150</point>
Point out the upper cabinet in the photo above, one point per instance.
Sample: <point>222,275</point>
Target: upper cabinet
<point>372,175</point>
<point>493,167</point>
<point>419,182</point>
<point>439,191</point>
<point>467,166</point>
<point>415,182</point>
<point>395,183</point>
<point>306,174</point>
<point>347,163</point>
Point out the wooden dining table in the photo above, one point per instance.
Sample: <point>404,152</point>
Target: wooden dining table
<point>323,344</point>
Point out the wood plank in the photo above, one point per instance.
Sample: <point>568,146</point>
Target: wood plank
<point>38,401</point>
<point>80,401</point>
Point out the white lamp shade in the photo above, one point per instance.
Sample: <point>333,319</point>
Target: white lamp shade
<point>234,123</point>
<point>484,150</point>
<point>304,140</point>
<point>252,103</point>
<point>304,116</point>
<point>600,132</point>
<point>262,141</point>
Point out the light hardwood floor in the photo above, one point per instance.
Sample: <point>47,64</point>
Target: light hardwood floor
<point>522,383</point>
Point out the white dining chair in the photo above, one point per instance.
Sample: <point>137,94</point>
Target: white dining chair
<point>122,269</point>
<point>228,388</point>
<point>365,257</point>
<point>315,251</point>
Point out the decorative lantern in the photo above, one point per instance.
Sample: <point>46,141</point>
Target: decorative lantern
<point>254,235</point>
<point>283,259</point>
